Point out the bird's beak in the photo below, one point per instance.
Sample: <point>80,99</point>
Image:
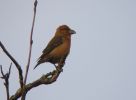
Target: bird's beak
<point>72,32</point>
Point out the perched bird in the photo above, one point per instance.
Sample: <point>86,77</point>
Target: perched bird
<point>59,46</point>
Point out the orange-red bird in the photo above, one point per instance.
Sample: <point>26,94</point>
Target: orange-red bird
<point>59,46</point>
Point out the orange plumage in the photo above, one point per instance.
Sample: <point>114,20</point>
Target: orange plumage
<point>58,48</point>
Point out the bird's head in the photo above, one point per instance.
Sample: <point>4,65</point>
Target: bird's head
<point>64,30</point>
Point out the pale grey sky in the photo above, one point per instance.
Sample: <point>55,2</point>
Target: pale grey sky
<point>102,62</point>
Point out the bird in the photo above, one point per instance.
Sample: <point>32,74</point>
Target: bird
<point>58,47</point>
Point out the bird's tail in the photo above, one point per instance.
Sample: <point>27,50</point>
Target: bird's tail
<point>36,65</point>
<point>38,62</point>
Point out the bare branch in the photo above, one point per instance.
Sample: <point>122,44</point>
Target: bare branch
<point>10,68</point>
<point>6,78</point>
<point>49,78</point>
<point>31,42</point>
<point>15,62</point>
<point>1,71</point>
<point>30,50</point>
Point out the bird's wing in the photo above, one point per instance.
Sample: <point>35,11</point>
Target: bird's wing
<point>56,41</point>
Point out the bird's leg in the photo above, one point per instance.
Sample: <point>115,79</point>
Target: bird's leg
<point>61,64</point>
<point>58,68</point>
<point>55,66</point>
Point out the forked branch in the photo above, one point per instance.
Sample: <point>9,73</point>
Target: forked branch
<point>15,62</point>
<point>6,79</point>
<point>49,78</point>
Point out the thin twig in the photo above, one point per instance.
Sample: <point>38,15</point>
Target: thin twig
<point>10,69</point>
<point>30,51</point>
<point>31,42</point>
<point>1,71</point>
<point>15,62</point>
<point>6,78</point>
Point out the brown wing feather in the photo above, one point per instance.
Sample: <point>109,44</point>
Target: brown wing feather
<point>56,41</point>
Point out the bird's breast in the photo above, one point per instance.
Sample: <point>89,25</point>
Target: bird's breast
<point>62,49</point>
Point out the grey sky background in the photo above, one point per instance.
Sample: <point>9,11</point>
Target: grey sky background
<point>102,62</point>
